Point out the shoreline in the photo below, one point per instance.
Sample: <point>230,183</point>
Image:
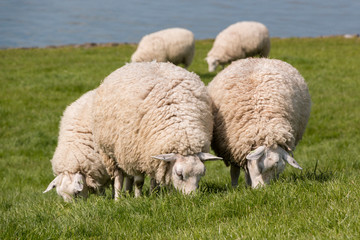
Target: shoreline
<point>75,45</point>
<point>114,44</point>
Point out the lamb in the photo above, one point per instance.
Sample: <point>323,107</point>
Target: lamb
<point>176,45</point>
<point>77,165</point>
<point>239,40</point>
<point>154,118</point>
<point>261,108</point>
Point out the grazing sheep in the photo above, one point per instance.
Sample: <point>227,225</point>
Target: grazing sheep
<point>176,45</point>
<point>155,119</point>
<point>239,40</point>
<point>261,108</point>
<point>77,165</point>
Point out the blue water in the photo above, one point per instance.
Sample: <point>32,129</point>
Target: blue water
<point>25,23</point>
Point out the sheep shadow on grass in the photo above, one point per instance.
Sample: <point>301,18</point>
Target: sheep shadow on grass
<point>214,187</point>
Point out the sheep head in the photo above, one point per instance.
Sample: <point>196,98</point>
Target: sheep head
<point>265,164</point>
<point>187,170</point>
<point>69,186</point>
<point>212,62</point>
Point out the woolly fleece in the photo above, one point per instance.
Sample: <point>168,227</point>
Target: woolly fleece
<point>241,40</point>
<point>176,45</point>
<point>258,101</point>
<point>75,150</point>
<point>145,109</point>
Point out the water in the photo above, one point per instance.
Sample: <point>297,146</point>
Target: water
<point>25,23</point>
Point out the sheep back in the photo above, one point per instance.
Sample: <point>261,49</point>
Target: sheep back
<point>145,109</point>
<point>257,102</point>
<point>176,45</point>
<point>75,150</point>
<point>241,40</point>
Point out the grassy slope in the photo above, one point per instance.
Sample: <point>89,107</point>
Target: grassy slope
<point>320,202</point>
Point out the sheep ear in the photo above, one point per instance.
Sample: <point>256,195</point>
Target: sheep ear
<point>166,157</point>
<point>256,154</point>
<point>290,160</point>
<point>78,182</point>
<point>207,157</point>
<point>51,185</point>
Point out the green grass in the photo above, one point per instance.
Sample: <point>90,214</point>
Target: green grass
<point>320,202</point>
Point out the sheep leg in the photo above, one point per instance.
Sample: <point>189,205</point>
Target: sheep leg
<point>118,183</point>
<point>139,182</point>
<point>234,173</point>
<point>102,191</point>
<point>129,183</point>
<point>154,186</point>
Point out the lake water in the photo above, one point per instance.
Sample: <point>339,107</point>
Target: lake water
<point>25,23</point>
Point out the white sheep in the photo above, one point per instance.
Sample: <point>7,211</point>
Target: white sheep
<point>155,119</point>
<point>176,45</point>
<point>261,108</point>
<point>76,163</point>
<point>239,40</point>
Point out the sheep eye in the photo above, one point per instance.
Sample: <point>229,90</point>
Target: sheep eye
<point>179,174</point>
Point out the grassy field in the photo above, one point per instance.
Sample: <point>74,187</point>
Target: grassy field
<point>319,202</point>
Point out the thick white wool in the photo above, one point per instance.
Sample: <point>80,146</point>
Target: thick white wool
<point>176,45</point>
<point>145,109</point>
<point>75,150</point>
<point>256,102</point>
<point>241,40</point>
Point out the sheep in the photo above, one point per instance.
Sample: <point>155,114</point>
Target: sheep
<point>176,45</point>
<point>261,108</point>
<point>239,40</point>
<point>155,119</point>
<point>76,163</point>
